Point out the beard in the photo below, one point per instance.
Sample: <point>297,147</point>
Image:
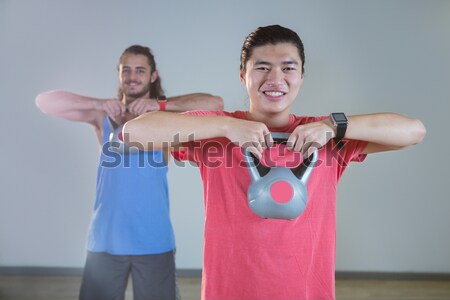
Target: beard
<point>134,95</point>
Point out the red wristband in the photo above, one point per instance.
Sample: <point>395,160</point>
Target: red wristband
<point>162,103</point>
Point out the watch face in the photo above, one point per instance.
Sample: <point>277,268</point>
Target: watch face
<point>339,117</point>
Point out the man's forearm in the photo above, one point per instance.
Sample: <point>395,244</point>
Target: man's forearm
<point>196,101</point>
<point>389,129</point>
<point>157,130</point>
<point>59,103</point>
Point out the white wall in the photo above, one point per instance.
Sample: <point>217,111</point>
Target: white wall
<point>362,56</point>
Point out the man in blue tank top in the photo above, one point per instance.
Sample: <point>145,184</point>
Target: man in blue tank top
<point>130,232</point>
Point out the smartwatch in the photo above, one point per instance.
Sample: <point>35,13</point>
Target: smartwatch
<point>340,122</point>
<point>162,103</point>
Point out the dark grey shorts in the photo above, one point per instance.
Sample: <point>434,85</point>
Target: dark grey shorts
<point>105,276</point>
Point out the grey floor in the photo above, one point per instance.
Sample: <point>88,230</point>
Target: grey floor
<point>66,287</point>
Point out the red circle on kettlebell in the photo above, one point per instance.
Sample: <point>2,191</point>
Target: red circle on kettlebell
<point>281,191</point>
<point>120,136</point>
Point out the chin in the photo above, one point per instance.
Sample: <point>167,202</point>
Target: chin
<point>276,107</point>
<point>136,95</point>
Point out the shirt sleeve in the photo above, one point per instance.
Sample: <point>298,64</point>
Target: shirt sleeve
<point>352,152</point>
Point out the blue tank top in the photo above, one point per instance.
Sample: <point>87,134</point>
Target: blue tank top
<point>131,212</point>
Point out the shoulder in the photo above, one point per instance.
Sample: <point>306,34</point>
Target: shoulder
<point>295,121</point>
<point>307,119</point>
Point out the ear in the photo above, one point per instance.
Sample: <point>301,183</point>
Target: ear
<point>242,76</point>
<point>301,80</point>
<point>154,76</point>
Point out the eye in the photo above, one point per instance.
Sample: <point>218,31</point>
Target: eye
<point>262,68</point>
<point>289,69</point>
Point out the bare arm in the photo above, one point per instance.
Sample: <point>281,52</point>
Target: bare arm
<point>197,101</point>
<point>158,130</point>
<point>79,108</point>
<point>383,131</point>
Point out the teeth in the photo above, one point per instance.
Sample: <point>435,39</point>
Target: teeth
<point>274,94</point>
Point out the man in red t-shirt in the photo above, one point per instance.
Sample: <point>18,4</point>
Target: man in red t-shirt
<point>245,256</point>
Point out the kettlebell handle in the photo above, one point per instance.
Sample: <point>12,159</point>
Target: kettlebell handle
<point>302,172</point>
<point>280,137</point>
<point>305,168</point>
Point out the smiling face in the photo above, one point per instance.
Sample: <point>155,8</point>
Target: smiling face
<point>135,76</point>
<point>273,77</point>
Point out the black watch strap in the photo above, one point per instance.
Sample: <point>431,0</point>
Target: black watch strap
<point>339,121</point>
<point>340,131</point>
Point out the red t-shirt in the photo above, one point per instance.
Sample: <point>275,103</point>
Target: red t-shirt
<point>247,257</point>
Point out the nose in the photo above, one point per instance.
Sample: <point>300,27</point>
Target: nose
<point>133,75</point>
<point>275,76</point>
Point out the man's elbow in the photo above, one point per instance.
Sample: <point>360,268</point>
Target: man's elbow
<point>38,101</point>
<point>417,132</point>
<point>217,103</point>
<point>45,101</point>
<point>135,134</point>
<point>41,102</point>
<point>131,134</point>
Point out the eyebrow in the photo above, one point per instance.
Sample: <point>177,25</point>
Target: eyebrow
<point>137,68</point>
<point>286,62</point>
